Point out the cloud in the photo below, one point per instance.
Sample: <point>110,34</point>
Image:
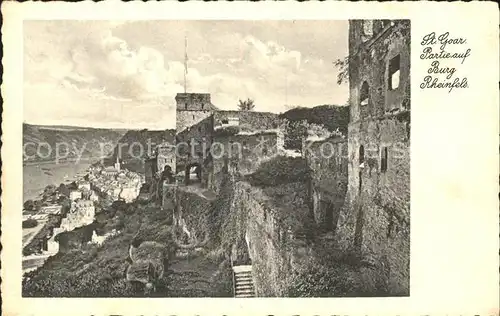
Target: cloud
<point>134,70</point>
<point>247,68</point>
<point>270,56</point>
<point>106,61</point>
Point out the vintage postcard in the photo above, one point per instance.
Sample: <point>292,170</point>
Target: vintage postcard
<point>199,158</point>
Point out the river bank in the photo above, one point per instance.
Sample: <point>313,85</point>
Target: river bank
<point>37,176</point>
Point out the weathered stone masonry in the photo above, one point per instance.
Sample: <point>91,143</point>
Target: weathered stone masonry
<point>194,130</point>
<point>327,161</point>
<point>378,196</point>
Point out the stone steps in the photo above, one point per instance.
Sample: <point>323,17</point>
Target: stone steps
<point>243,282</point>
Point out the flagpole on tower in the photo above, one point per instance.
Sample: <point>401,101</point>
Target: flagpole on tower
<point>185,63</point>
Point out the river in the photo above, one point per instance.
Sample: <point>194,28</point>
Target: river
<point>37,177</point>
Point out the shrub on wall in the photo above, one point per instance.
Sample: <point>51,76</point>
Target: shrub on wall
<point>295,131</point>
<point>30,223</point>
<point>316,280</point>
<point>280,170</point>
<point>331,116</point>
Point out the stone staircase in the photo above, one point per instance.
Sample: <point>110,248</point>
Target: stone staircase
<point>243,281</point>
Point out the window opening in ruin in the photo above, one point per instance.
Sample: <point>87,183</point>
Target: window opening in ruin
<point>193,117</point>
<point>193,174</point>
<point>361,166</point>
<point>361,154</point>
<point>360,181</point>
<point>202,106</point>
<point>358,231</point>
<point>383,160</point>
<point>394,73</point>
<point>185,106</point>
<point>225,122</point>
<point>329,209</point>
<point>368,28</point>
<point>364,95</point>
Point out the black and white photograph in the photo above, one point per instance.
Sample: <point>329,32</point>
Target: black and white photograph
<point>216,158</point>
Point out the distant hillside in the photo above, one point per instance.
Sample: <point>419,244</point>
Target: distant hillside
<point>144,141</point>
<point>136,145</point>
<point>49,140</point>
<point>92,142</point>
<point>330,116</point>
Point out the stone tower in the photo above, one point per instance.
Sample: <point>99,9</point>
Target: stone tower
<point>194,133</point>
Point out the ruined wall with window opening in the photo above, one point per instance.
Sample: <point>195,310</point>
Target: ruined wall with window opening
<point>244,151</point>
<point>193,147</point>
<point>377,221</point>
<point>327,161</point>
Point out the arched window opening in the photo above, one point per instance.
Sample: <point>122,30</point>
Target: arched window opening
<point>361,154</point>
<point>394,73</point>
<point>360,175</point>
<point>383,160</point>
<point>364,95</point>
<point>368,27</point>
<point>367,30</point>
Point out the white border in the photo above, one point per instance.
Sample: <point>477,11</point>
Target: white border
<point>454,172</point>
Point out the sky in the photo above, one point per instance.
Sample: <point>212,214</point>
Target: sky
<point>125,74</point>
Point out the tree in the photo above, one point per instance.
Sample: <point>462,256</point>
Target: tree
<point>50,189</point>
<point>119,205</point>
<point>343,67</point>
<point>63,189</point>
<point>37,205</point>
<point>61,199</point>
<point>247,105</point>
<point>30,223</point>
<point>29,205</point>
<point>402,29</point>
<point>295,131</point>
